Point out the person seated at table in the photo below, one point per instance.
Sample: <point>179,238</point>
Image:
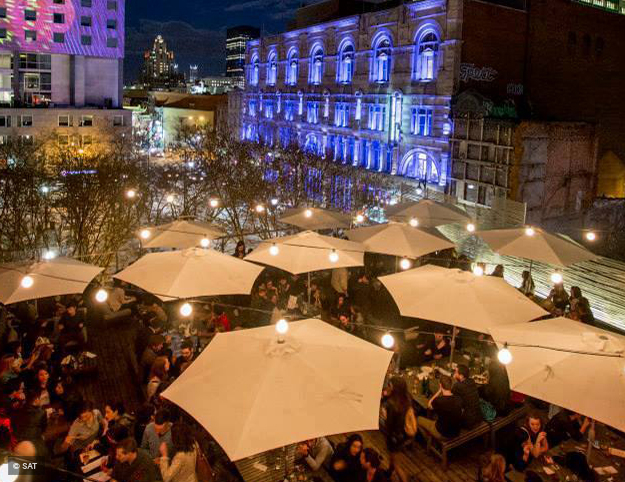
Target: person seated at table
<point>187,355</point>
<point>498,271</point>
<point>574,298</point>
<point>448,410</point>
<point>345,463</point>
<point>220,320</point>
<point>497,390</point>
<point>370,467</point>
<point>584,312</point>
<point>107,444</point>
<point>467,390</point>
<point>117,299</point>
<point>133,464</point>
<point>559,298</point>
<point>340,307</point>
<point>115,416</point>
<point>527,285</point>
<point>84,429</point>
<point>531,442</point>
<point>566,425</point>
<point>156,433</point>
<point>13,397</point>
<point>154,308</point>
<point>316,453</point>
<point>158,374</point>
<point>494,470</point>
<point>178,465</point>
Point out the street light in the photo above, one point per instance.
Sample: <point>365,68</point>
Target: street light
<point>205,242</point>
<point>131,193</point>
<point>214,203</point>
<point>145,233</point>
<point>471,227</point>
<point>591,236</point>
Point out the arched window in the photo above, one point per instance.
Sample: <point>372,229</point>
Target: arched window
<point>272,68</point>
<point>254,70</point>
<point>312,144</point>
<point>315,74</point>
<point>345,70</point>
<point>426,63</point>
<point>382,60</point>
<point>418,165</point>
<point>291,68</point>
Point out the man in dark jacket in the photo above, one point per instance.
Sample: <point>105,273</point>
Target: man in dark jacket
<point>133,464</point>
<point>467,390</point>
<point>30,421</point>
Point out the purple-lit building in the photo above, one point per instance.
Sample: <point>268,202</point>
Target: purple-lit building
<point>61,68</point>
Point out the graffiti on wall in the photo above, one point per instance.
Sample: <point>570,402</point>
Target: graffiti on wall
<point>479,74</point>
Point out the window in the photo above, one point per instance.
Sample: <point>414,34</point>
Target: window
<point>27,140</point>
<point>312,112</point>
<point>63,140</point>
<point>252,109</point>
<point>111,23</point>
<point>3,12</point>
<point>586,42</point>
<point>86,121</point>
<point>30,15</point>
<point>289,110</point>
<point>59,2</point>
<point>272,69</point>
<point>345,70</point>
<point>118,120</point>
<point>382,60</point>
<point>85,39</point>
<point>63,121</point>
<point>25,121</point>
<point>268,111</point>
<point>292,68</point>
<point>341,114</point>
<point>3,33</point>
<point>58,18</point>
<point>315,75</point>
<point>86,140</point>
<point>59,37</point>
<point>111,42</point>
<point>111,5</point>
<point>427,52</point>
<point>30,35</point>
<point>358,108</point>
<point>85,3</point>
<point>421,121</point>
<point>5,121</point>
<point>377,114</point>
<point>85,21</point>
<point>254,71</point>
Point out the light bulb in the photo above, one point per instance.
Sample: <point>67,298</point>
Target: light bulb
<point>101,295</point>
<point>48,255</point>
<point>419,191</point>
<point>131,194</point>
<point>504,355</point>
<point>45,189</point>
<point>205,242</point>
<point>274,201</point>
<point>27,281</point>
<point>334,256</point>
<point>186,309</point>
<point>274,250</point>
<point>388,341</point>
<point>471,227</point>
<point>5,476</point>
<point>214,203</point>
<point>191,164</point>
<point>145,233</point>
<point>405,264</point>
<point>260,208</point>
<point>591,236</point>
<point>360,218</point>
<point>414,222</point>
<point>308,213</point>
<point>556,278</point>
<point>282,326</point>
<point>478,270</point>
<point>530,231</point>
<point>170,198</point>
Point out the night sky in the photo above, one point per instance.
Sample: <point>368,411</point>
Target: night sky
<point>196,29</point>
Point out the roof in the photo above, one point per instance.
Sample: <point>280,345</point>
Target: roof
<point>198,102</point>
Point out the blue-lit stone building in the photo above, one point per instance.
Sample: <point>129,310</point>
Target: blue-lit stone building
<point>371,90</point>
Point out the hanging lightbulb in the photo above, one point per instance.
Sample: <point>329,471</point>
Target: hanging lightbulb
<point>405,264</point>
<point>48,255</point>
<point>5,476</point>
<point>504,355</point>
<point>308,213</point>
<point>478,270</point>
<point>145,233</point>
<point>260,208</point>
<point>131,193</point>
<point>214,203</point>
<point>274,250</point>
<point>529,231</point>
<point>101,295</point>
<point>360,218</point>
<point>334,256</point>
<point>471,227</point>
<point>27,281</point>
<point>591,236</point>
<point>282,326</point>
<point>205,242</point>
<point>556,278</point>
<point>274,201</point>
<point>388,341</point>
<point>170,198</point>
<point>414,222</point>
<point>186,309</point>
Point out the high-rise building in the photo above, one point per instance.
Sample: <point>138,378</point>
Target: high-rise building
<point>159,69</point>
<point>193,74</point>
<point>61,65</point>
<point>236,41</point>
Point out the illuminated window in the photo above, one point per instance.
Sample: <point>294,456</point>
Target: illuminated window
<point>382,60</point>
<point>377,116</point>
<point>272,69</point>
<point>421,121</point>
<point>254,71</point>
<point>292,68</point>
<point>63,121</point>
<point>30,15</point>
<point>341,114</point>
<point>345,70</point>
<point>3,12</point>
<point>59,37</point>
<point>86,121</point>
<point>25,121</point>
<point>427,53</point>
<point>315,74</point>
<point>312,112</point>
<point>5,121</point>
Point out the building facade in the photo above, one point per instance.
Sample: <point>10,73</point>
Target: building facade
<point>160,70</point>
<point>61,66</point>
<point>372,90</point>
<point>236,40</point>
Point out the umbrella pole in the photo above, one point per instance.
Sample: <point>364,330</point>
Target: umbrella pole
<point>308,288</point>
<point>531,263</point>
<point>591,440</point>
<point>453,347</point>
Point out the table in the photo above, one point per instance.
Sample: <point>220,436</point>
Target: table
<point>251,468</point>
<point>91,467</point>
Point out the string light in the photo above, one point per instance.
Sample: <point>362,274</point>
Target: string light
<point>414,222</point>
<point>186,309</point>
<point>145,233</point>
<point>334,256</point>
<point>530,231</point>
<point>478,270</point>
<point>282,326</point>
<point>274,250</point>
<point>360,218</point>
<point>170,198</point>
<point>260,208</point>
<point>131,193</point>
<point>101,295</point>
<point>388,341</point>
<point>274,201</point>
<point>405,264</point>
<point>45,189</point>
<point>556,278</point>
<point>27,281</point>
<point>591,236</point>
<point>471,227</point>
<point>308,213</point>
<point>49,255</point>
<point>504,355</point>
<point>205,242</point>
<point>214,203</point>
<point>419,191</point>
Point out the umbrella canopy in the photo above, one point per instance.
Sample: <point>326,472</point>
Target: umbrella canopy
<point>254,394</point>
<point>56,277</point>
<point>588,384</point>
<point>179,234</point>
<point>398,239</point>
<point>459,298</point>
<point>316,218</point>
<point>191,273</point>
<point>537,245</point>
<point>428,213</point>
<point>308,251</point>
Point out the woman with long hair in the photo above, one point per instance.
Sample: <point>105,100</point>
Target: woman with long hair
<point>398,403</point>
<point>532,441</point>
<point>494,471</point>
<point>158,374</point>
<point>345,463</point>
<point>179,466</point>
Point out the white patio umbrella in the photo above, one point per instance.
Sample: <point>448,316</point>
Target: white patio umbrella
<point>191,273</point>
<point>254,394</point>
<point>399,239</point>
<point>180,234</point>
<point>308,251</point>
<point>548,369</point>
<point>55,277</point>
<point>537,245</point>
<point>428,213</point>
<point>459,298</point>
<point>316,218</point>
